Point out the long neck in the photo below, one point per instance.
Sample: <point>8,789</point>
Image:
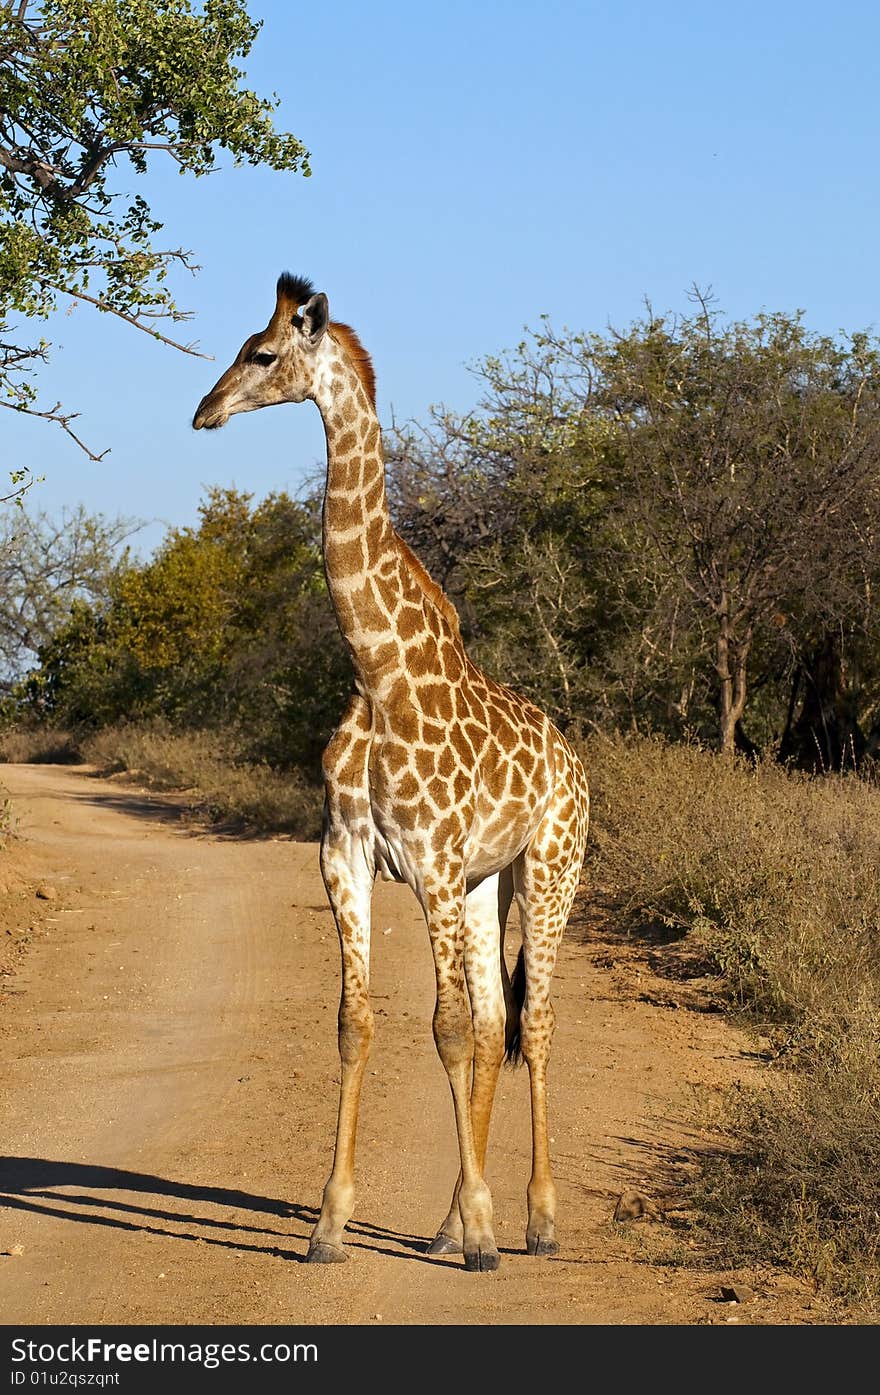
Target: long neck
<point>361,556</point>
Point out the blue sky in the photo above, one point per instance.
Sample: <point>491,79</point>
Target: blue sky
<point>477,165</point>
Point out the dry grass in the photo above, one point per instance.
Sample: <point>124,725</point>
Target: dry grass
<point>777,875</point>
<point>778,872</point>
<point>205,764</point>
<point>802,1186</point>
<point>38,745</point>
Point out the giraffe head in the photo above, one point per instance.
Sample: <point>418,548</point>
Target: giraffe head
<point>279,364</point>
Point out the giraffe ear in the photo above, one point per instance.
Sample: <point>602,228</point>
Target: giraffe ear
<point>315,318</point>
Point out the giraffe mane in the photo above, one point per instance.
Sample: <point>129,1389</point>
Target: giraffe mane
<point>361,362</point>
<point>429,587</point>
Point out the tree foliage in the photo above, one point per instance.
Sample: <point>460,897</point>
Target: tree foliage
<point>668,527</point>
<point>750,453</point>
<point>228,626</point>
<point>90,90</point>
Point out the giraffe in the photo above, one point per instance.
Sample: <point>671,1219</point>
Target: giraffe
<point>436,776</point>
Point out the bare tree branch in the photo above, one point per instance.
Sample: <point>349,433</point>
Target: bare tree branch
<point>62,419</point>
<point>132,320</point>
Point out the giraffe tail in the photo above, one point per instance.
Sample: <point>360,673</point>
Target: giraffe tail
<point>514,996</point>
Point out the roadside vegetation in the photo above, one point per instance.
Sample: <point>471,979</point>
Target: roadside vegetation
<point>222,787</point>
<point>774,874</point>
<point>668,538</point>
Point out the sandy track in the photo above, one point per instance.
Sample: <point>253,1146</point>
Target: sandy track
<point>169,1091</point>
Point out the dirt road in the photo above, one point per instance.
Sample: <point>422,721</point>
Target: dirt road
<point>168,1097</point>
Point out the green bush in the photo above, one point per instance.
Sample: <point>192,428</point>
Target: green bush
<point>228,627</point>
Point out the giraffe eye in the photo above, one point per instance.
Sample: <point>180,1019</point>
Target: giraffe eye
<point>263,359</point>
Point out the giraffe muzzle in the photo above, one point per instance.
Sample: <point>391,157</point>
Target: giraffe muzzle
<point>209,415</point>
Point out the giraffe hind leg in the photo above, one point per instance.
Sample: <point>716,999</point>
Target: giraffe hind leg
<point>545,894</point>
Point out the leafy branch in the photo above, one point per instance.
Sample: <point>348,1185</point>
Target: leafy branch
<point>91,90</point>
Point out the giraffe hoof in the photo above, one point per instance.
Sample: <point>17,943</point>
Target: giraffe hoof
<point>444,1244</point>
<point>481,1261</point>
<point>543,1249</point>
<point>322,1253</point>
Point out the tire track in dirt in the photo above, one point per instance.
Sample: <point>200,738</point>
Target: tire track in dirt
<point>169,1094</point>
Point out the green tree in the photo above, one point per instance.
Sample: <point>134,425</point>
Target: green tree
<point>668,527</point>
<point>749,456</point>
<point>228,627</point>
<point>86,88</point>
<point>287,670</point>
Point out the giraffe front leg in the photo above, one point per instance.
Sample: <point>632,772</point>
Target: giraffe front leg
<point>454,1037</point>
<point>488,1055</point>
<point>486,912</point>
<point>349,886</point>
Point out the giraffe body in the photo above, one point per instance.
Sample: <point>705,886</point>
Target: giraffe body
<point>437,776</point>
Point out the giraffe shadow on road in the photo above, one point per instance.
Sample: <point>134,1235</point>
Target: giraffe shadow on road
<point>79,1192</point>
